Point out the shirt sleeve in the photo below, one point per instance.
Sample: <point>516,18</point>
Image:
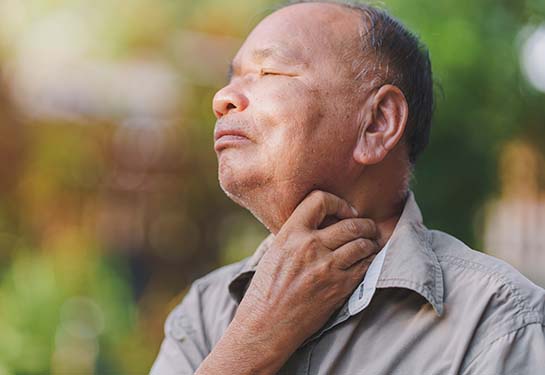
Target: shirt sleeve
<point>185,344</point>
<point>519,352</point>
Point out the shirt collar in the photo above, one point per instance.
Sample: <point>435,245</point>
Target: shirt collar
<point>410,262</point>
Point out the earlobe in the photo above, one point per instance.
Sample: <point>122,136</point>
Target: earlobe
<point>367,150</point>
<point>383,127</point>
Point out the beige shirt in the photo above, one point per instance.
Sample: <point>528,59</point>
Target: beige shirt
<point>434,306</point>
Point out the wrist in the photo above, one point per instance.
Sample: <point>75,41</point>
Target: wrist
<point>244,348</point>
<point>264,340</point>
<point>263,327</point>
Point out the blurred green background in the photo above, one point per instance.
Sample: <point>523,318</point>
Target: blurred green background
<point>110,205</point>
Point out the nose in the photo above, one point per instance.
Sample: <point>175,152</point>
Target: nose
<point>228,100</point>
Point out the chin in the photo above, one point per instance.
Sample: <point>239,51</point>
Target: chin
<point>249,188</point>
<point>239,182</point>
<point>232,189</point>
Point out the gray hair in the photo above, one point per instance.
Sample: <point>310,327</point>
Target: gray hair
<point>391,54</point>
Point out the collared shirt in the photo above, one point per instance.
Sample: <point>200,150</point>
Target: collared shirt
<point>436,307</point>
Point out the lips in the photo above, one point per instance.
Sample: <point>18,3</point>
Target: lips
<point>219,133</point>
<point>227,136</point>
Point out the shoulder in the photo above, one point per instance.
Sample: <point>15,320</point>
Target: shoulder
<point>206,309</point>
<point>214,286</point>
<point>501,311</point>
<point>456,256</point>
<point>486,275</point>
<point>491,290</point>
<point>218,278</point>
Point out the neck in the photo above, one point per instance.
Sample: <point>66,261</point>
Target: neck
<point>382,200</point>
<point>383,203</point>
<point>379,193</point>
<point>383,207</point>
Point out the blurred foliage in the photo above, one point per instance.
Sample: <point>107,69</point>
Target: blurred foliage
<point>110,207</point>
<point>482,101</point>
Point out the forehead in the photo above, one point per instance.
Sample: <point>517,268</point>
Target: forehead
<point>302,32</point>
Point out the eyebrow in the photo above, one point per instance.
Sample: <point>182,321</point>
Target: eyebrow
<point>261,54</point>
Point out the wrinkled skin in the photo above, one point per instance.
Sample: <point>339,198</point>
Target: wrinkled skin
<point>295,105</point>
<point>296,145</point>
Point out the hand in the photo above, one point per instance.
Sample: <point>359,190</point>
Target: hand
<point>307,273</point>
<point>304,276</point>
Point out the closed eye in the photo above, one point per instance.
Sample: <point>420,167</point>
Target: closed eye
<point>269,72</point>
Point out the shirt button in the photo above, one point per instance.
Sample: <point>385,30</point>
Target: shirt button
<point>177,333</point>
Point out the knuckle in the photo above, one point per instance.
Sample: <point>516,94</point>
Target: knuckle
<point>308,249</point>
<point>322,269</point>
<point>361,243</point>
<point>317,274</point>
<point>314,193</point>
<point>367,227</point>
<point>310,242</point>
<point>343,264</point>
<point>364,244</point>
<point>317,195</point>
<point>352,227</point>
<point>371,226</point>
<point>319,201</point>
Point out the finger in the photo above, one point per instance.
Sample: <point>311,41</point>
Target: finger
<point>347,230</point>
<point>319,204</point>
<point>352,252</point>
<point>362,265</point>
<point>358,270</point>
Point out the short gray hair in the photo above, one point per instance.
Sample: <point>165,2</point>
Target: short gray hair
<point>398,58</point>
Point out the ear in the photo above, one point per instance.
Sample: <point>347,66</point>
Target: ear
<point>383,126</point>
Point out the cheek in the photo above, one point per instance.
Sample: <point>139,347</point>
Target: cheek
<point>293,112</point>
<point>290,137</point>
<point>300,134</point>
<point>289,103</point>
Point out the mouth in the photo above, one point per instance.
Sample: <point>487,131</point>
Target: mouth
<point>224,138</point>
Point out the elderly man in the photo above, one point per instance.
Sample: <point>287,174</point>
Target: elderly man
<point>327,108</point>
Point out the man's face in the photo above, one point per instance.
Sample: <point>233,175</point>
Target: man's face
<point>287,118</point>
